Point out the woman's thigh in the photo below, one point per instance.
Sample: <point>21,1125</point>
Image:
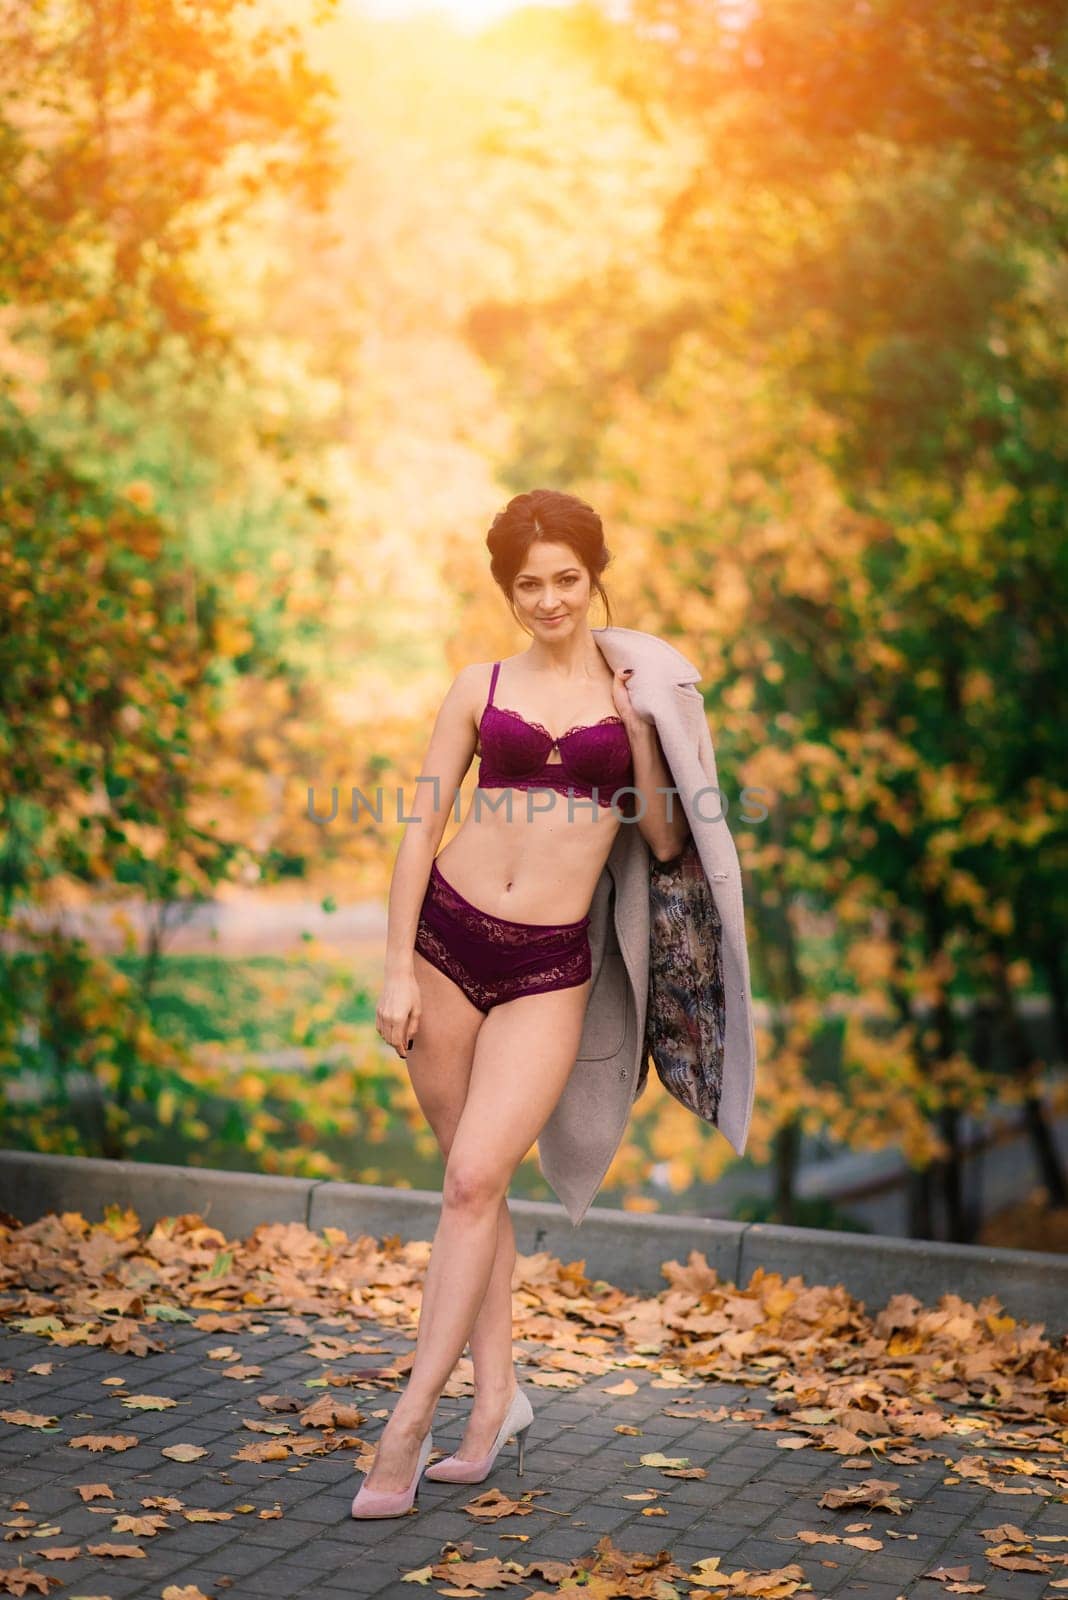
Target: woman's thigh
<point>523,1055</point>
<point>440,1060</point>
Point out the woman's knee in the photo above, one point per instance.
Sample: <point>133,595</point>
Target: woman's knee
<point>472,1184</point>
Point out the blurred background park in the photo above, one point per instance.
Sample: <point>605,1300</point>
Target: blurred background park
<point>295,297</point>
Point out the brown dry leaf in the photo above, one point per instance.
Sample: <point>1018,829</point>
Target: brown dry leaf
<point>95,1491</point>
<point>551,1569</point>
<point>707,1569</point>
<point>184,1591</point>
<point>242,1372</point>
<point>493,1504</point>
<point>57,1552</point>
<point>627,1386</point>
<point>265,1427</point>
<point>29,1419</point>
<point>625,1427</point>
<point>873,1492</point>
<point>148,1402</point>
<point>329,1413</point>
<point>116,1550</point>
<point>279,1402</point>
<point>201,1514</point>
<point>491,1573</point>
<point>183,1452</point>
<point>1006,1532</point>
<point>269,1450</point>
<point>318,1444</point>
<point>144,1527</point>
<point>328,1349</point>
<point>41,1369</point>
<point>25,1580</point>
<point>1010,1560</point>
<point>104,1441</point>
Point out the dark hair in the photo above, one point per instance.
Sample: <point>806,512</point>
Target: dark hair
<point>552,515</point>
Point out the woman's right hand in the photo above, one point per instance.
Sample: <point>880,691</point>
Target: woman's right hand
<point>399,1010</point>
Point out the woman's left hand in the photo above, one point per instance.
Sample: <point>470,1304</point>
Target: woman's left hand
<point>622,701</point>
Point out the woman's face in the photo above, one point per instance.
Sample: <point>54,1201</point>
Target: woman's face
<point>551,593</point>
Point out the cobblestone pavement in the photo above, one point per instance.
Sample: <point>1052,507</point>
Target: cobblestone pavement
<point>755,1499</point>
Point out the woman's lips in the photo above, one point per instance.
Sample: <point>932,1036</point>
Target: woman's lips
<point>550,621</point>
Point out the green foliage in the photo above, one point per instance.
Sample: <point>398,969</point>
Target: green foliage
<point>817,1212</point>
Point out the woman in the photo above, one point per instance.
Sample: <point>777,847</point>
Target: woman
<point>488,961</point>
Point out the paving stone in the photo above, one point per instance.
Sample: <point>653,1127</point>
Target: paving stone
<point>857,1590</point>
<point>602,1518</point>
<point>237,1558</point>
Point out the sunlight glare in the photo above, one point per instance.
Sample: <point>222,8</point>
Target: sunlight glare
<point>467,14</point>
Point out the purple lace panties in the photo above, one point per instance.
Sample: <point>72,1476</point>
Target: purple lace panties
<point>493,959</point>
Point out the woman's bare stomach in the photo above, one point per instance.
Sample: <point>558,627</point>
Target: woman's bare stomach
<point>536,866</point>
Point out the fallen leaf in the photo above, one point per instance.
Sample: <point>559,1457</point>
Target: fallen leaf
<point>104,1441</point>
<point>29,1419</point>
<point>143,1526</point>
<point>25,1580</point>
<point>269,1450</point>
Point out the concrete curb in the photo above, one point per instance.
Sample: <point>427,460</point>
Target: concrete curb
<point>622,1247</point>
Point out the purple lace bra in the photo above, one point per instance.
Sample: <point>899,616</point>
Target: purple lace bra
<point>515,754</point>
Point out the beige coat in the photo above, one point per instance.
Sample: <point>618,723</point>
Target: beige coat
<point>586,1128</point>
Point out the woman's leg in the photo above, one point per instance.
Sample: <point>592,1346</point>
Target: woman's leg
<point>523,1055</point>
<point>439,1065</point>
<point>490,1340</point>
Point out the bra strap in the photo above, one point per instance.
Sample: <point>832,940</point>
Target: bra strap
<point>493,681</point>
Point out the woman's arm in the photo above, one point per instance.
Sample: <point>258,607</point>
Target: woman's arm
<point>663,825</point>
<point>426,807</point>
<point>664,837</point>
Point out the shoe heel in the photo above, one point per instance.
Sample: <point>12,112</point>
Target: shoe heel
<point>520,1440</point>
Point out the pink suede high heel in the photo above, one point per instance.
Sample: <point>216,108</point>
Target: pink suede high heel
<point>391,1502</point>
<point>517,1420</point>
